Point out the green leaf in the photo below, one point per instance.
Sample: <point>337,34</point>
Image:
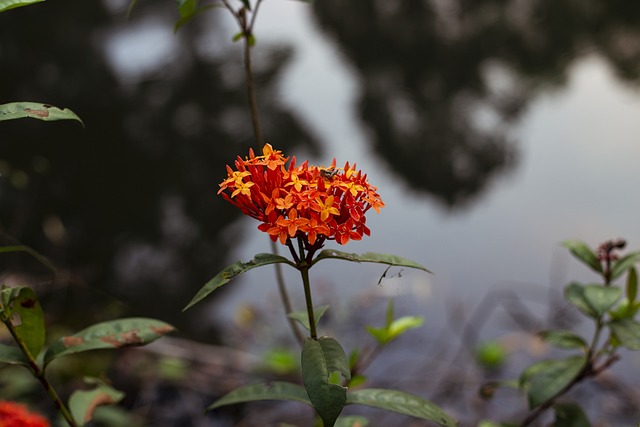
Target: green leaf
<point>592,300</point>
<point>491,354</point>
<point>632,284</point>
<point>487,423</point>
<point>624,263</point>
<point>12,4</point>
<point>352,421</point>
<point>12,355</point>
<point>545,379</point>
<point>83,403</point>
<point>601,298</point>
<point>276,390</point>
<point>28,319</point>
<point>581,251</point>
<point>403,324</point>
<point>627,332</point>
<point>569,415</point>
<point>114,334</point>
<point>281,361</point>
<point>132,4</point>
<point>187,7</point>
<point>184,19</point>
<point>320,359</point>
<point>303,317</point>
<point>395,329</point>
<point>402,403</point>
<point>234,270</point>
<point>368,257</point>
<point>246,4</point>
<point>625,310</point>
<point>35,110</point>
<point>563,339</point>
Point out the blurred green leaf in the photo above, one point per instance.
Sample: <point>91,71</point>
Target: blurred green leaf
<point>581,251</point>
<point>625,310</point>
<point>186,7</point>
<point>234,270</point>
<point>368,257</point>
<point>352,421</point>
<point>487,423</point>
<point>12,355</point>
<point>545,379</point>
<point>403,324</point>
<point>35,110</point>
<point>402,403</point>
<point>12,4</point>
<point>320,359</point>
<point>276,390</point>
<point>491,354</point>
<point>114,334</point>
<point>592,300</point>
<point>569,415</point>
<point>356,380</point>
<point>563,339</point>
<point>237,36</point>
<point>574,293</point>
<point>395,329</point>
<point>184,19</point>
<point>601,298</point>
<point>282,361</point>
<point>83,403</point>
<point>632,284</point>
<point>302,317</point>
<point>246,4</point>
<point>627,331</point>
<point>623,264</point>
<point>28,319</point>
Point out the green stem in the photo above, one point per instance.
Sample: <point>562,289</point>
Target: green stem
<point>39,374</point>
<point>284,296</point>
<point>304,272</point>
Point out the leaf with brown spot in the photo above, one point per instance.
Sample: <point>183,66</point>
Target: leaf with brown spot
<point>71,341</point>
<point>109,335</point>
<point>29,318</point>
<point>83,403</point>
<point>35,110</point>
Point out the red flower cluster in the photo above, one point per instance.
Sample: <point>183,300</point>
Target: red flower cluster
<point>311,202</point>
<point>16,415</point>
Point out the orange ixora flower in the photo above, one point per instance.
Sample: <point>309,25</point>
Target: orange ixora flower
<point>17,415</point>
<point>310,202</point>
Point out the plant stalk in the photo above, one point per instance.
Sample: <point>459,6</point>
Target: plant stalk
<point>39,374</point>
<point>304,272</point>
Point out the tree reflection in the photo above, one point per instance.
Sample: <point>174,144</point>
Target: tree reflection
<point>128,203</point>
<point>443,82</point>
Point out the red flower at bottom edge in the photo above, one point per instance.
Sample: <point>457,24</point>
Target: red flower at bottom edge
<point>17,415</point>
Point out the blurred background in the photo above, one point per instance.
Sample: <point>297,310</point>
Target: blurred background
<point>493,130</point>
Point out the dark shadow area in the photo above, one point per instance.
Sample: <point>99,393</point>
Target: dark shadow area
<point>128,204</point>
<point>443,83</point>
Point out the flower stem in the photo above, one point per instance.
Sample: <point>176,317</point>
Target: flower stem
<point>39,374</point>
<point>304,272</point>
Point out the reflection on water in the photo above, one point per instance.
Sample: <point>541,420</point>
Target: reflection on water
<point>128,203</point>
<point>442,83</point>
<point>453,96</point>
